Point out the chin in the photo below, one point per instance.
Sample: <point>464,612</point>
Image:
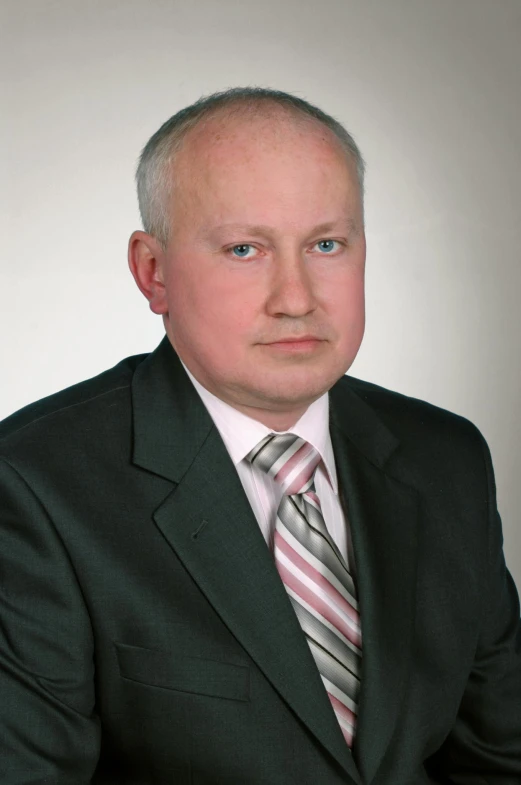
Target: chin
<point>296,388</point>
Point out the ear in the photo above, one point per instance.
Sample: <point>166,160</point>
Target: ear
<point>146,259</point>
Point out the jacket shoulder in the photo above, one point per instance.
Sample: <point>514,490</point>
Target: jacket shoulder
<point>406,416</point>
<point>78,397</point>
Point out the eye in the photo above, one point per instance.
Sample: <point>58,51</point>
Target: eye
<point>327,245</point>
<point>240,251</point>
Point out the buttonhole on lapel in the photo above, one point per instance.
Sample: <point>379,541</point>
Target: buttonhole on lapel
<point>198,531</point>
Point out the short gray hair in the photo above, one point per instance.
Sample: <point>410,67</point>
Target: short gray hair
<point>154,175</point>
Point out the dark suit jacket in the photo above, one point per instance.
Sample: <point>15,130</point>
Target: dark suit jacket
<point>145,635</point>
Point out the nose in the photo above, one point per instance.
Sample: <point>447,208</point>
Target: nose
<point>291,289</point>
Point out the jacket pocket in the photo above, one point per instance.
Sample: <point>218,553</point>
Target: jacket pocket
<point>185,674</point>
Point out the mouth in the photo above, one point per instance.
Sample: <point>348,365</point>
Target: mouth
<point>304,344</point>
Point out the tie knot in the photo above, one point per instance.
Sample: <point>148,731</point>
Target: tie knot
<point>288,459</point>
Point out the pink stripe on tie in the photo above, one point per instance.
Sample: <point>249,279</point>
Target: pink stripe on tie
<point>341,709</point>
<point>303,477</point>
<point>347,736</point>
<point>290,464</point>
<point>318,604</point>
<point>313,496</point>
<point>346,714</point>
<point>317,577</point>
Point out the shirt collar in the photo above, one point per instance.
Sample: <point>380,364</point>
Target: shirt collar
<point>241,433</point>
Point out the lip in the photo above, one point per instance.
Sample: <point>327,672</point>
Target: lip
<point>302,344</point>
<point>300,339</point>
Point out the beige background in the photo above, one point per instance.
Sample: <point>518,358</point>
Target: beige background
<point>431,91</point>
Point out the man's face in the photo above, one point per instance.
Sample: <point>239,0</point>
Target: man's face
<point>267,243</point>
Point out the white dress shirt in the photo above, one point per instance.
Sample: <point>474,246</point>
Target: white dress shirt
<point>241,433</point>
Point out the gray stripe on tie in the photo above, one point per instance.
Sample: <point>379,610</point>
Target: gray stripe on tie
<point>313,539</point>
<point>316,629</point>
<point>338,675</point>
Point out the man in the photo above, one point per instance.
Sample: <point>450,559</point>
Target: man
<point>227,562</point>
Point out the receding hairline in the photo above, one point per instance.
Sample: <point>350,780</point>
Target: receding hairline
<point>256,110</point>
<point>223,126</point>
<point>155,174</point>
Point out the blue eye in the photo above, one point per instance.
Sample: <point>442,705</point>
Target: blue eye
<point>242,250</point>
<point>245,250</point>
<point>327,245</point>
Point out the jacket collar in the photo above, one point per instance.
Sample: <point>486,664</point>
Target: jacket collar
<point>171,422</point>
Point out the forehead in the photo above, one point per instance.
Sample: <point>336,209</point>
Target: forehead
<point>265,170</point>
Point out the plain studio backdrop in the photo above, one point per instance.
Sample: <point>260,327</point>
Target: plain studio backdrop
<point>430,89</point>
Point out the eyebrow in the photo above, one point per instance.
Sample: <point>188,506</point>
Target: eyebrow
<point>259,229</point>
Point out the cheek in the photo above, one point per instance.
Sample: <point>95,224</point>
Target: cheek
<point>232,311</point>
<point>347,314</point>
<point>216,311</point>
<point>347,300</point>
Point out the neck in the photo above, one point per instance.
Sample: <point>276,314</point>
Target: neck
<point>275,421</point>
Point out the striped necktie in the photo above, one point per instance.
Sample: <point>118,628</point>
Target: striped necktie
<point>314,572</point>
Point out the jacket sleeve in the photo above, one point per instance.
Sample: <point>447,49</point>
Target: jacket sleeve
<point>49,729</point>
<point>484,747</point>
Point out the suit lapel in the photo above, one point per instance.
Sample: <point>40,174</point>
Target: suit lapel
<point>382,513</point>
<point>208,521</point>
